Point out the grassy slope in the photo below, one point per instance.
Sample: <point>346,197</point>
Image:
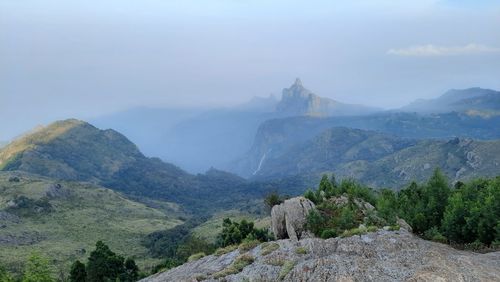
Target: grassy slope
<point>87,214</point>
<point>209,229</point>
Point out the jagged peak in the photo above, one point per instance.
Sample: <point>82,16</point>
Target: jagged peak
<point>297,82</point>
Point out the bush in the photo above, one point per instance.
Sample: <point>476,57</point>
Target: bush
<point>433,234</point>
<point>329,233</point>
<point>233,233</point>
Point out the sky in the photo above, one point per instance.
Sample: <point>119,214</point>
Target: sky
<point>87,58</point>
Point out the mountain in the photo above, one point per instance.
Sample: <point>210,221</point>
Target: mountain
<point>375,158</point>
<point>64,219</point>
<point>376,256</point>
<point>471,99</point>
<point>297,101</point>
<point>74,150</point>
<point>197,139</point>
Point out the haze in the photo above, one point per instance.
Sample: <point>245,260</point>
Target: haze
<point>84,59</point>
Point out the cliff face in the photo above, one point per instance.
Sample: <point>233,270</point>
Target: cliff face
<point>298,101</point>
<point>378,256</point>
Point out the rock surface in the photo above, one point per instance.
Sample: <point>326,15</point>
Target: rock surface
<point>288,219</point>
<point>378,256</point>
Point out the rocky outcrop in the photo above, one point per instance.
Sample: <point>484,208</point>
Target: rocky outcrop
<point>377,256</point>
<point>289,218</point>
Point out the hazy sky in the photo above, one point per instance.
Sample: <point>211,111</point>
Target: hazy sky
<point>86,58</point>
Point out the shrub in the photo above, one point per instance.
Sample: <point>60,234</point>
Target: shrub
<point>433,234</point>
<point>396,228</point>
<point>474,246</point>
<point>372,228</point>
<point>354,231</point>
<point>196,257</point>
<point>329,233</point>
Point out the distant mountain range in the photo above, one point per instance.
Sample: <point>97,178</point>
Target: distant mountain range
<point>197,139</point>
<point>465,100</point>
<point>376,159</point>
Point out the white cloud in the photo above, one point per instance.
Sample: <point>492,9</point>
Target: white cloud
<point>433,50</point>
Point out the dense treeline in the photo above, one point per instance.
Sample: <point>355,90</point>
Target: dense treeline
<point>467,213</point>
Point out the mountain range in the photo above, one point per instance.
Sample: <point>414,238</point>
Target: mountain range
<point>374,158</point>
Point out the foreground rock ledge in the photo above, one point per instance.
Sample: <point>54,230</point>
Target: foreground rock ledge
<point>378,256</point>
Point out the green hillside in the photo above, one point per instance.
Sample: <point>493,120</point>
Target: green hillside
<point>382,160</point>
<point>63,220</point>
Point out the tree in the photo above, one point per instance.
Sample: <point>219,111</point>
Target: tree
<point>131,270</point>
<point>436,194</point>
<point>37,269</point>
<point>387,206</point>
<point>78,272</point>
<point>4,275</point>
<point>273,199</point>
<point>326,186</point>
<point>103,264</point>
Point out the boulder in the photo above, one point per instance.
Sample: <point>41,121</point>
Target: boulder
<point>289,218</point>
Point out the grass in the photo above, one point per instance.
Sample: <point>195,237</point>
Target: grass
<point>247,245</point>
<point>87,214</point>
<point>225,250</point>
<point>285,269</point>
<point>394,228</point>
<point>196,256</point>
<point>359,231</point>
<point>268,247</point>
<point>301,251</point>
<point>236,267</point>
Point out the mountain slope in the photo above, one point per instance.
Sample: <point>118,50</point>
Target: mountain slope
<point>77,151</point>
<point>374,158</point>
<point>64,219</point>
<point>458,100</point>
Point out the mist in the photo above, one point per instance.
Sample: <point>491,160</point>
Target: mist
<point>87,59</point>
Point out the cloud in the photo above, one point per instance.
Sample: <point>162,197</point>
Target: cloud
<point>433,50</point>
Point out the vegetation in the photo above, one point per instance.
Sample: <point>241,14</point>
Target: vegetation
<point>233,233</point>
<point>104,265</point>
<point>80,214</point>
<point>465,214</point>
<point>285,269</point>
<point>37,269</point>
<point>268,247</point>
<point>237,266</point>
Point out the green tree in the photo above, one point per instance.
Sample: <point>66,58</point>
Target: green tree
<point>103,264</point>
<point>131,271</point>
<point>37,269</point>
<point>326,187</point>
<point>387,206</point>
<point>77,272</point>
<point>4,275</point>
<point>436,194</point>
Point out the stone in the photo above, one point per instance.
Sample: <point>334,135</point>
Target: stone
<point>289,218</point>
<point>377,256</point>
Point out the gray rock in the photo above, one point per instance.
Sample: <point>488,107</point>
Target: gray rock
<point>377,256</point>
<point>289,218</point>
